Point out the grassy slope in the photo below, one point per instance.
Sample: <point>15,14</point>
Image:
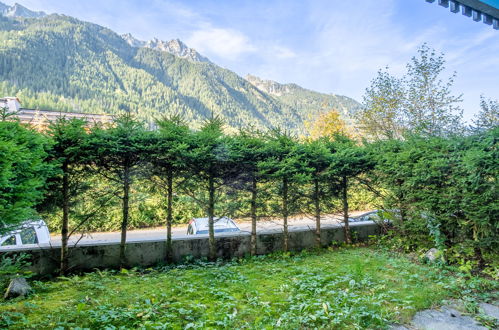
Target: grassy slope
<point>345,288</point>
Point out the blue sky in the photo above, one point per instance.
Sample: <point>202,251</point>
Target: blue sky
<point>330,46</point>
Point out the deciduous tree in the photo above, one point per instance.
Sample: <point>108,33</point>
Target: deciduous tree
<point>420,102</point>
<point>488,117</point>
<point>327,124</point>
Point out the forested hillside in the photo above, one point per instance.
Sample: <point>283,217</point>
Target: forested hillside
<point>305,100</point>
<point>61,63</point>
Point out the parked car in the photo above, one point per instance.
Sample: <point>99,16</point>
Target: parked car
<point>376,216</point>
<point>29,232</point>
<point>199,226</point>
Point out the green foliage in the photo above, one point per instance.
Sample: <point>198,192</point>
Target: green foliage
<point>430,107</point>
<point>418,103</point>
<point>22,172</point>
<point>345,288</point>
<point>488,117</point>
<point>67,155</point>
<point>446,191</point>
<point>284,164</point>
<point>381,115</point>
<point>118,154</point>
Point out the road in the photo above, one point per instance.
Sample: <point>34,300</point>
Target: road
<point>180,231</point>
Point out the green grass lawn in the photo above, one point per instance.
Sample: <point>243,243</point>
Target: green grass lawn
<point>344,288</point>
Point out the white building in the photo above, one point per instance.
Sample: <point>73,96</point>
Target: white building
<point>41,118</point>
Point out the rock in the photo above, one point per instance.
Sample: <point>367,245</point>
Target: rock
<point>444,319</point>
<point>432,254</point>
<point>18,287</point>
<point>490,310</point>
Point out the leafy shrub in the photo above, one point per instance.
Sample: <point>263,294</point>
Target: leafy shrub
<point>446,190</point>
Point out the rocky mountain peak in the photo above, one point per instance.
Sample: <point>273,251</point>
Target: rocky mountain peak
<point>174,46</point>
<point>18,10</point>
<point>269,86</point>
<point>132,41</point>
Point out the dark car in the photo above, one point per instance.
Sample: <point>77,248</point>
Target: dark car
<point>376,216</point>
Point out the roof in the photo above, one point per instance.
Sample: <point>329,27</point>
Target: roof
<point>486,10</point>
<point>6,98</point>
<point>42,118</point>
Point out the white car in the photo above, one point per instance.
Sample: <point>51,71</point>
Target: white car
<point>199,226</point>
<point>29,232</point>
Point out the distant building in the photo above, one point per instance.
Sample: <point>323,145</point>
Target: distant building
<point>486,11</point>
<point>40,119</point>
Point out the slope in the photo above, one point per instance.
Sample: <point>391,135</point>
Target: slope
<point>61,63</point>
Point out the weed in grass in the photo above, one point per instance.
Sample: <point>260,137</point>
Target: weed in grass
<point>343,288</point>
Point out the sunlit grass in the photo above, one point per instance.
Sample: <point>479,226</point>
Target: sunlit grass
<point>345,288</point>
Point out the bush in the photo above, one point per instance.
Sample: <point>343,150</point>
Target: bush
<point>446,189</point>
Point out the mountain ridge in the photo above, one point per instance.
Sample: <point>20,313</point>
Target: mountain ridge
<point>300,97</point>
<point>18,10</point>
<point>59,62</point>
<point>174,46</point>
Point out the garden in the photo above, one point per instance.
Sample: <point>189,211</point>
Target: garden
<point>435,176</point>
<point>355,287</point>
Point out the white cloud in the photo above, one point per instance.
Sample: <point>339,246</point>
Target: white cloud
<point>224,43</point>
<point>283,52</point>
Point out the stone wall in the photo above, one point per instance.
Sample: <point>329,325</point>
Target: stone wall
<point>145,253</point>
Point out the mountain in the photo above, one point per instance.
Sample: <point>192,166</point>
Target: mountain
<point>61,63</point>
<point>305,100</point>
<point>174,46</point>
<point>18,10</point>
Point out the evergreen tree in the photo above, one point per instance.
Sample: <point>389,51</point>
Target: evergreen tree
<point>23,172</point>
<point>348,162</point>
<point>68,153</point>
<point>166,152</point>
<point>284,164</point>
<point>248,149</point>
<point>118,156</point>
<point>211,166</point>
<point>318,158</point>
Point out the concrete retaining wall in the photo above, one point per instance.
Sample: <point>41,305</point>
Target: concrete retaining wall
<point>85,257</point>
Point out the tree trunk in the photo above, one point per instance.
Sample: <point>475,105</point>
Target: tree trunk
<point>211,210</point>
<point>65,219</point>
<point>348,236</point>
<point>317,209</point>
<point>124,221</point>
<point>253,216</point>
<point>169,217</point>
<point>285,213</point>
